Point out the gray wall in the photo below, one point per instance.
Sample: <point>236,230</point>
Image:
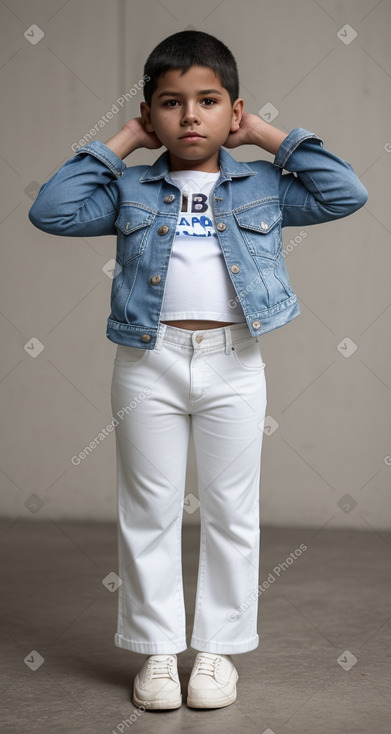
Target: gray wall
<point>330,448</point>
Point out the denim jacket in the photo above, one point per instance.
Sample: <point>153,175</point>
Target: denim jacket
<point>95,193</point>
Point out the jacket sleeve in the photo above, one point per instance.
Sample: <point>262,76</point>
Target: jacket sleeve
<point>81,199</point>
<point>320,186</point>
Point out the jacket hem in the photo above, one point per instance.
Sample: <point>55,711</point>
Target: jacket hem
<point>130,334</point>
<point>275,318</point>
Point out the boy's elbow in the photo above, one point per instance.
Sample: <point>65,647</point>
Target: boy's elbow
<point>361,197</point>
<point>356,199</point>
<point>36,218</point>
<point>42,221</point>
<point>36,214</point>
<point>355,192</point>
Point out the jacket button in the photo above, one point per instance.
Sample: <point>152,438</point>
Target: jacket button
<point>163,229</point>
<point>221,226</point>
<point>127,225</point>
<point>155,279</point>
<point>235,268</point>
<point>145,338</point>
<point>256,324</point>
<point>264,225</point>
<point>168,199</point>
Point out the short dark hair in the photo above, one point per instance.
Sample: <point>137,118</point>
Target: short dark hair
<point>191,48</point>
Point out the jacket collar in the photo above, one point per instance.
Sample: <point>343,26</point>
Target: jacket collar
<point>229,167</point>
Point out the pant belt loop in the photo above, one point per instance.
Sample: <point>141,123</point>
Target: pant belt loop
<point>228,339</point>
<point>160,336</point>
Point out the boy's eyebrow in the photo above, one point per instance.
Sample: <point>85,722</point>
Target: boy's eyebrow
<point>178,94</point>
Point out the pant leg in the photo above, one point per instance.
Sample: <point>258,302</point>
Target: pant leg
<point>151,447</point>
<point>227,426</point>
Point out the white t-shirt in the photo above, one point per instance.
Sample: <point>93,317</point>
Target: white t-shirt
<point>198,285</point>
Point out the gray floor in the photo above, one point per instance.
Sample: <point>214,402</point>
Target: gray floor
<point>332,603</point>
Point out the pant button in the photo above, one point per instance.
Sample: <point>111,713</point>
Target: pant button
<point>199,338</point>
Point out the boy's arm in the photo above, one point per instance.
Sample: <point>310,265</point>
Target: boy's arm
<point>320,186</point>
<point>255,131</point>
<point>81,199</point>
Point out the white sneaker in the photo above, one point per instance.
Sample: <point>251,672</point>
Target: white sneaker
<point>158,683</point>
<point>212,682</point>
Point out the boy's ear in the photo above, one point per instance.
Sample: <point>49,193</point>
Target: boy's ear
<point>237,114</point>
<point>145,112</point>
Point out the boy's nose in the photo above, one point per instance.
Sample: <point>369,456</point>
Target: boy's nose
<point>189,115</point>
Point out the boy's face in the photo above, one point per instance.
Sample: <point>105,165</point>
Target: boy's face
<point>194,102</point>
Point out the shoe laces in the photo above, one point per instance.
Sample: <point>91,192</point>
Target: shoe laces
<point>207,663</point>
<point>160,668</point>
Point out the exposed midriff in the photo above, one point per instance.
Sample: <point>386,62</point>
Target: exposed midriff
<point>193,325</point>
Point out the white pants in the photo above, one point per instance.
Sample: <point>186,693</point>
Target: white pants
<point>211,382</point>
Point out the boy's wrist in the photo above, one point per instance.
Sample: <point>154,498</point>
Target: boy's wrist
<point>267,136</point>
<point>123,143</point>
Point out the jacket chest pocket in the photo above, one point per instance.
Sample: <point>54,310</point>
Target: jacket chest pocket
<point>133,225</point>
<point>260,227</point>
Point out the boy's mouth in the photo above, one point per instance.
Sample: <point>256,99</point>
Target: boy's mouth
<point>191,135</point>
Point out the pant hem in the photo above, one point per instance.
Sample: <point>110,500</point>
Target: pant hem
<point>150,648</point>
<point>226,648</point>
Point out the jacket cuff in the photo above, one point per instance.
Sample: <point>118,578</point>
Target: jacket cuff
<point>293,139</point>
<point>105,155</point>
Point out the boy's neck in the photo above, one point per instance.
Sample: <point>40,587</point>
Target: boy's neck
<point>209,165</point>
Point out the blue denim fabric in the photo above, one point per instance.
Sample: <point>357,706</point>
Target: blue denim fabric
<point>95,193</point>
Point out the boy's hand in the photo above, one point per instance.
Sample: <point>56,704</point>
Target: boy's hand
<point>255,131</point>
<point>132,135</point>
<point>246,133</point>
<point>142,137</point>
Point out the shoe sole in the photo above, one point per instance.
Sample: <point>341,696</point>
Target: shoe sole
<point>156,703</point>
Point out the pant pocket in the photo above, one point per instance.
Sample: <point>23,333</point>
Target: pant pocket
<point>247,354</point>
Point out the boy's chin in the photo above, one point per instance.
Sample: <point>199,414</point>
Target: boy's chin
<point>194,154</point>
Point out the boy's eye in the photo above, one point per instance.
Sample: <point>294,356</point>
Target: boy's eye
<point>173,102</point>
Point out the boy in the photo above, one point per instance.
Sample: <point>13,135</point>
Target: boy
<point>200,276</point>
